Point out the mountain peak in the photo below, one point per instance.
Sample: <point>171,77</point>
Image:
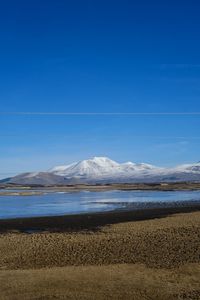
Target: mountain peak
<point>94,166</point>
<point>102,160</point>
<point>103,169</point>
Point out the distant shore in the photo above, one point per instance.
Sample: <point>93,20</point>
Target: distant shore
<point>30,190</point>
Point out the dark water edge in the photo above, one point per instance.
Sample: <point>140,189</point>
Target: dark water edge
<point>94,221</point>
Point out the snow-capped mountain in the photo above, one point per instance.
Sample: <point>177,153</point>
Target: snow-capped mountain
<point>105,170</point>
<point>96,166</point>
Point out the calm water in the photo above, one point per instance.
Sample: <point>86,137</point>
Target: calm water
<point>82,202</point>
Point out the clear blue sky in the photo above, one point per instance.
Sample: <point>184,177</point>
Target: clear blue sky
<point>98,56</point>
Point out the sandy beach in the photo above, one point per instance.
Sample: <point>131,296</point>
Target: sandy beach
<point>149,254</point>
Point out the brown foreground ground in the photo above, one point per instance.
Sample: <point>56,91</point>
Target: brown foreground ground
<point>135,259</point>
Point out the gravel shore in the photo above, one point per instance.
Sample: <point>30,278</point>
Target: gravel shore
<point>152,254</point>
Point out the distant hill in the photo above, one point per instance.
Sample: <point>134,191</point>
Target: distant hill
<point>105,170</point>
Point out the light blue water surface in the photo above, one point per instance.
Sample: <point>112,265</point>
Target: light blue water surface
<point>52,204</point>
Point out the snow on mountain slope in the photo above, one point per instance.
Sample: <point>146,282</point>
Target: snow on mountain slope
<point>100,167</point>
<point>105,170</point>
<point>129,166</point>
<point>195,168</point>
<point>60,170</point>
<point>91,167</point>
<point>43,178</point>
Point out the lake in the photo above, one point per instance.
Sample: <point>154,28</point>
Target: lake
<point>59,203</point>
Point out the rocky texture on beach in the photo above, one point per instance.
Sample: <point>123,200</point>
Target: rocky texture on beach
<point>155,258</point>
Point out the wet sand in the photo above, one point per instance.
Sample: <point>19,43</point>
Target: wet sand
<point>94,221</point>
<point>146,254</point>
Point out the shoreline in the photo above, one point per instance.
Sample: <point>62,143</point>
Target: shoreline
<point>91,221</point>
<point>26,190</point>
<point>146,254</point>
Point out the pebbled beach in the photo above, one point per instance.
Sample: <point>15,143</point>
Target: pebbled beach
<point>146,254</point>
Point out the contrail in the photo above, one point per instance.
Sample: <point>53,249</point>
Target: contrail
<point>102,113</point>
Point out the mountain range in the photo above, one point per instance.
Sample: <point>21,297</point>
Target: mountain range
<point>104,170</point>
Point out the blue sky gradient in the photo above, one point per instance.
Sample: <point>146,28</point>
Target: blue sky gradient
<point>98,56</point>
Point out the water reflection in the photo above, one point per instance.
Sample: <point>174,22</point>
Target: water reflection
<point>61,203</point>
